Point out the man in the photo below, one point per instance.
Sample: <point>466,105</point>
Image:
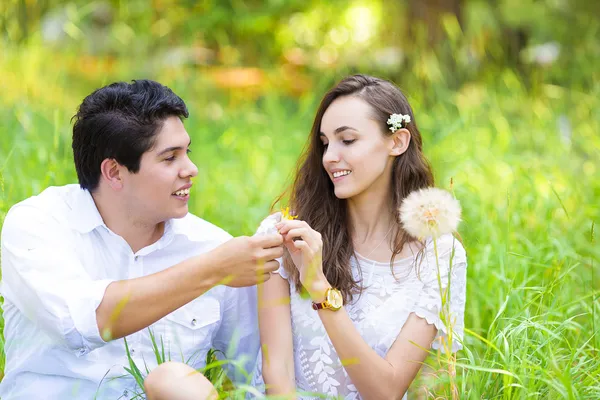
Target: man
<point>119,256</point>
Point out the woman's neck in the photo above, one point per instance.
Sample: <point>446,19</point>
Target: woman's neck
<point>371,217</point>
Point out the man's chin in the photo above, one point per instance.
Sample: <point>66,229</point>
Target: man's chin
<point>181,214</point>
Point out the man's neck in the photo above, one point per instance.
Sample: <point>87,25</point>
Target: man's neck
<point>123,222</point>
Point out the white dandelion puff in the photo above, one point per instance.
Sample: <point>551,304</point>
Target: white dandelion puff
<point>430,212</point>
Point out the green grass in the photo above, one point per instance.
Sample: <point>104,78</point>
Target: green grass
<point>524,163</point>
<point>213,371</point>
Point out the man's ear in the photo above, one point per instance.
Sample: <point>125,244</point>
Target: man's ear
<point>111,172</point>
<point>399,142</point>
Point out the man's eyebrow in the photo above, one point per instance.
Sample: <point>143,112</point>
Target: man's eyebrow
<point>340,129</point>
<point>173,148</point>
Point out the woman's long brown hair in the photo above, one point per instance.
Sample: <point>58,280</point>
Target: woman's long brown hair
<point>312,195</point>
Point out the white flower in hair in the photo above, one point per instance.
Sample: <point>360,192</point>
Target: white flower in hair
<point>398,121</point>
<point>430,212</point>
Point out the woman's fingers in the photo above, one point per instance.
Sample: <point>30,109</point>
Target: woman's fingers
<point>286,225</point>
<point>307,251</point>
<point>304,233</point>
<point>311,263</point>
<point>301,239</point>
<point>308,235</point>
<point>289,245</point>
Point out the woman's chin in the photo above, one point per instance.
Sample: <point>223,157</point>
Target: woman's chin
<point>343,193</point>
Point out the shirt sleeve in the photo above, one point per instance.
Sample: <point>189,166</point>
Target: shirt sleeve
<point>267,226</point>
<point>448,272</point>
<point>238,336</point>
<point>45,279</point>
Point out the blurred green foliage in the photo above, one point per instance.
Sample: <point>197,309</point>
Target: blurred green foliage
<point>505,94</point>
<point>476,37</point>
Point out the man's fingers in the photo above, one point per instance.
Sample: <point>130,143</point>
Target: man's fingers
<point>270,240</point>
<point>262,278</point>
<point>269,266</point>
<point>272,253</point>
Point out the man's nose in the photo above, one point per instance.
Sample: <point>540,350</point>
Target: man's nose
<point>190,170</point>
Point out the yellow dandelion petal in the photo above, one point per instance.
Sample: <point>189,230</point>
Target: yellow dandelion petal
<point>286,214</point>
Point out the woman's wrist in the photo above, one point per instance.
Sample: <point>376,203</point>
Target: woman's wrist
<point>317,287</point>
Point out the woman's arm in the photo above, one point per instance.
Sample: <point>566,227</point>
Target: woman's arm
<point>376,377</point>
<point>275,324</point>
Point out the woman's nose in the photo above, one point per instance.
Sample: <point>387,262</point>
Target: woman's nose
<point>330,156</point>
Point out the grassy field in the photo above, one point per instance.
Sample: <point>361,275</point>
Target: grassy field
<point>523,161</point>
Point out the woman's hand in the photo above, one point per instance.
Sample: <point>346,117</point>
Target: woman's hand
<point>305,245</point>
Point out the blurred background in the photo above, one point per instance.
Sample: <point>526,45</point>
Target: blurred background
<point>506,94</point>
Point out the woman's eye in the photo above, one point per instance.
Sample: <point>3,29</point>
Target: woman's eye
<point>325,145</point>
<point>347,142</point>
<point>172,158</point>
<point>188,151</point>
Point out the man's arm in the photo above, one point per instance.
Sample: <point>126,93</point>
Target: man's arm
<point>131,305</point>
<point>46,281</point>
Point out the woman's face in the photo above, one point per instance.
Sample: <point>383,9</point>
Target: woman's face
<point>357,156</point>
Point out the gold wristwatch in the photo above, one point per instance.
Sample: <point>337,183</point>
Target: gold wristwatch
<point>333,301</point>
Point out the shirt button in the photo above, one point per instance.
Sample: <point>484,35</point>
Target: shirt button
<point>81,351</point>
<point>132,351</point>
<point>125,393</point>
<point>136,258</point>
<point>194,322</point>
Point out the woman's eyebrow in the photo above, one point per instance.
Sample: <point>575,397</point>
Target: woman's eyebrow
<point>340,129</point>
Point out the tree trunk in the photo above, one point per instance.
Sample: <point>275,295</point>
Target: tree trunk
<point>429,13</point>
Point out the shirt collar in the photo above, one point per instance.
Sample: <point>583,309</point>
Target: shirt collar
<point>84,216</point>
<point>197,230</point>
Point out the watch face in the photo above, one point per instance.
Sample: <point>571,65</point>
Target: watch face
<point>334,298</point>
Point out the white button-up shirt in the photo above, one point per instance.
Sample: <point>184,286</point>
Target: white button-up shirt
<point>58,257</point>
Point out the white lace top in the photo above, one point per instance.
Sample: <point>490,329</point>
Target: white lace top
<point>379,314</point>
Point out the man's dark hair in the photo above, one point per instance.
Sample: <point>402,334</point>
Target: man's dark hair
<point>120,121</point>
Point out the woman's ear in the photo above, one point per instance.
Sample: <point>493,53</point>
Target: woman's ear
<point>399,142</point>
<point>110,171</point>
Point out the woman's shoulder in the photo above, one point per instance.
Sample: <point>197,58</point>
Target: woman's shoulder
<point>446,245</point>
<point>442,255</point>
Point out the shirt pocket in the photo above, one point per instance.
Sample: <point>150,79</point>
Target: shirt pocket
<point>191,328</point>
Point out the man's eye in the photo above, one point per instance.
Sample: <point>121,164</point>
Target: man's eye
<point>325,145</point>
<point>172,158</point>
<point>346,142</point>
<point>188,151</point>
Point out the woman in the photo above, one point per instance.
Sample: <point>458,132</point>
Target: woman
<point>356,304</point>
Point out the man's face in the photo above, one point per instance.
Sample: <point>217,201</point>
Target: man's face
<point>160,189</point>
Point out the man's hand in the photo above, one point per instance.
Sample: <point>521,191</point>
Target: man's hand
<point>247,261</point>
